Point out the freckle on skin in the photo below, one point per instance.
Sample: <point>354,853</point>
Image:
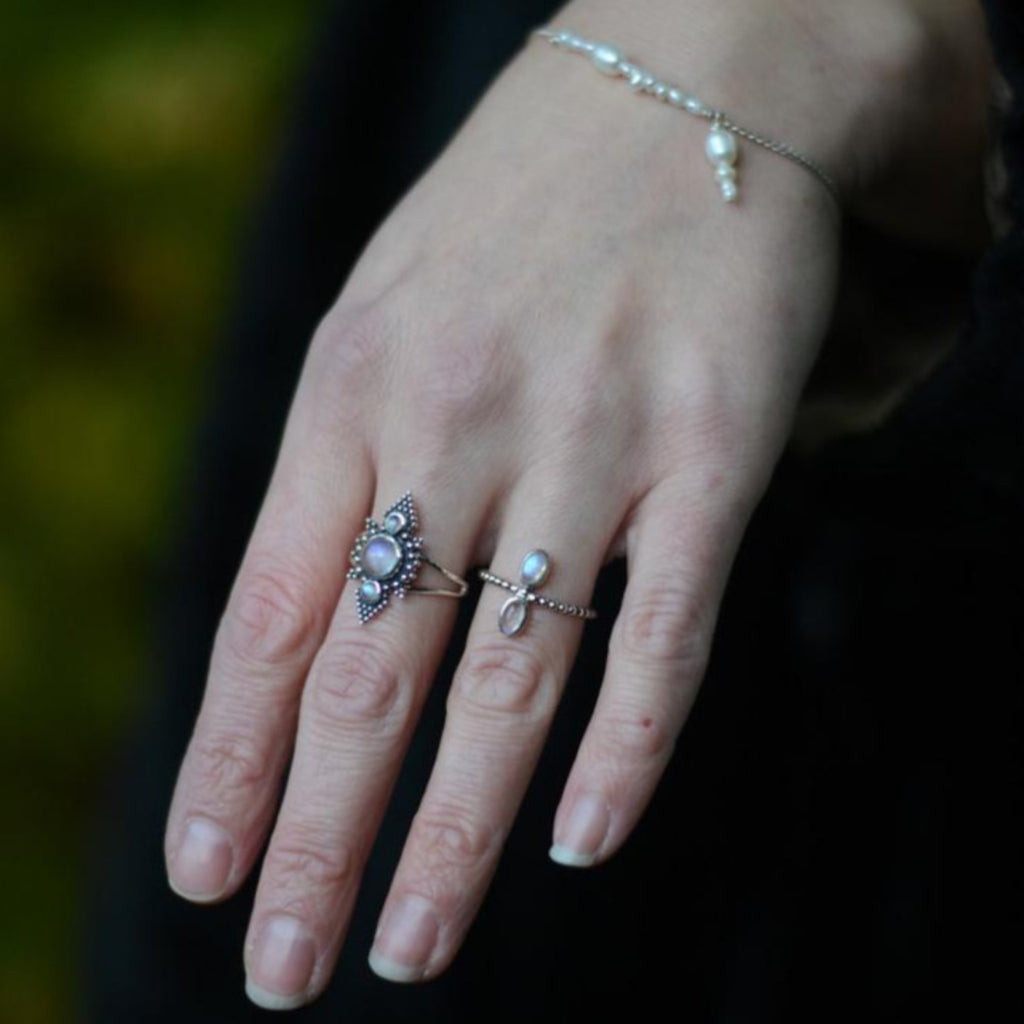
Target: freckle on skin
<point>647,722</point>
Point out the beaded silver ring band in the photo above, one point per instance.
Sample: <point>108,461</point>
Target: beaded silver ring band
<point>720,146</point>
<point>387,557</point>
<point>533,572</point>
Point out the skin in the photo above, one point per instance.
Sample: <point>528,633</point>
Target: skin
<point>559,337</point>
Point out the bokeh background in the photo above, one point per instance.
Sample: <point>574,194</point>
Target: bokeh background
<point>135,139</point>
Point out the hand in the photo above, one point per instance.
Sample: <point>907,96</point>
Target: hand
<point>561,338</point>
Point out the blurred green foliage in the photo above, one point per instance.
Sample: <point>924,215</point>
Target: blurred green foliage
<point>133,139</point>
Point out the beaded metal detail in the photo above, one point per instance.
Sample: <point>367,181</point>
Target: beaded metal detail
<point>533,572</point>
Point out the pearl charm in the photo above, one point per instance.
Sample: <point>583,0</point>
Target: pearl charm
<point>606,58</point>
<point>723,152</point>
<point>721,145</point>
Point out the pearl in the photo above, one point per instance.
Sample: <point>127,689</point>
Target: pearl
<point>512,616</point>
<point>721,146</point>
<point>729,191</point>
<point>606,58</point>
<point>535,568</point>
<point>370,591</point>
<point>381,557</point>
<point>725,172</point>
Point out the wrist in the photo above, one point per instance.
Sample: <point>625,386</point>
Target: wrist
<point>861,88</point>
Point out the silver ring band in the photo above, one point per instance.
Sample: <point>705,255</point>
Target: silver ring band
<point>533,572</point>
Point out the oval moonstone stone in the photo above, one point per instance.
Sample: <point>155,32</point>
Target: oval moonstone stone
<point>370,591</point>
<point>381,557</point>
<point>535,568</point>
<point>512,616</point>
<point>394,522</point>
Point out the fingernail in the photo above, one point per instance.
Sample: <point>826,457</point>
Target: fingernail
<point>405,941</point>
<point>282,964</point>
<point>203,863</point>
<point>582,832</point>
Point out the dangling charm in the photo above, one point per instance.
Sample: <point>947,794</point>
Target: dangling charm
<point>722,152</point>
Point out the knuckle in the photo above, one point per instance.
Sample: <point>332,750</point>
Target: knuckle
<point>500,680</point>
<point>635,736</point>
<point>703,415</point>
<point>462,383</point>
<point>271,620</point>
<point>356,684</point>
<point>348,365</point>
<point>449,840</point>
<point>228,763</point>
<point>352,345</point>
<point>307,857</point>
<point>591,404</point>
<point>664,626</point>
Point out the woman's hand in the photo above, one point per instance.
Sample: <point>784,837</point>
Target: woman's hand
<point>561,338</point>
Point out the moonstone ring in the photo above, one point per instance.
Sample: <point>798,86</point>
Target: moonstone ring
<point>387,557</point>
<point>533,572</point>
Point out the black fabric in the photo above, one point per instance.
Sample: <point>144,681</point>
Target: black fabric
<point>835,838</point>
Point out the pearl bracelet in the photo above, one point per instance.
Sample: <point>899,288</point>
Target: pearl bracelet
<point>720,146</point>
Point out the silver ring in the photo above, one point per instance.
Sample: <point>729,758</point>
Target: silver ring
<point>387,557</point>
<point>533,572</point>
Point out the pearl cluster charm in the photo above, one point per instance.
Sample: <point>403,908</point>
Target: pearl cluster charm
<point>721,145</point>
<point>722,152</point>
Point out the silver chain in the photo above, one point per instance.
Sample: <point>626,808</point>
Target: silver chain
<point>782,149</point>
<point>612,62</point>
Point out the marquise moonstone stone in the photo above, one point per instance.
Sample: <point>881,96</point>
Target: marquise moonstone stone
<point>381,557</point>
<point>512,616</point>
<point>535,568</point>
<point>370,591</point>
<point>394,522</point>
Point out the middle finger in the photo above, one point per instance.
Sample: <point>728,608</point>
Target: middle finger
<point>500,708</point>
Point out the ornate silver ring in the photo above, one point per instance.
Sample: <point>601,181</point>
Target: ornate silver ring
<point>388,556</point>
<point>534,571</point>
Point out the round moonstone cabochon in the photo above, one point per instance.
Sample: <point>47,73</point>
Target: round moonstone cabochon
<point>535,568</point>
<point>381,557</point>
<point>370,591</point>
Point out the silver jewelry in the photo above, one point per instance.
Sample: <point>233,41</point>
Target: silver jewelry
<point>533,572</point>
<point>721,147</point>
<point>387,557</point>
